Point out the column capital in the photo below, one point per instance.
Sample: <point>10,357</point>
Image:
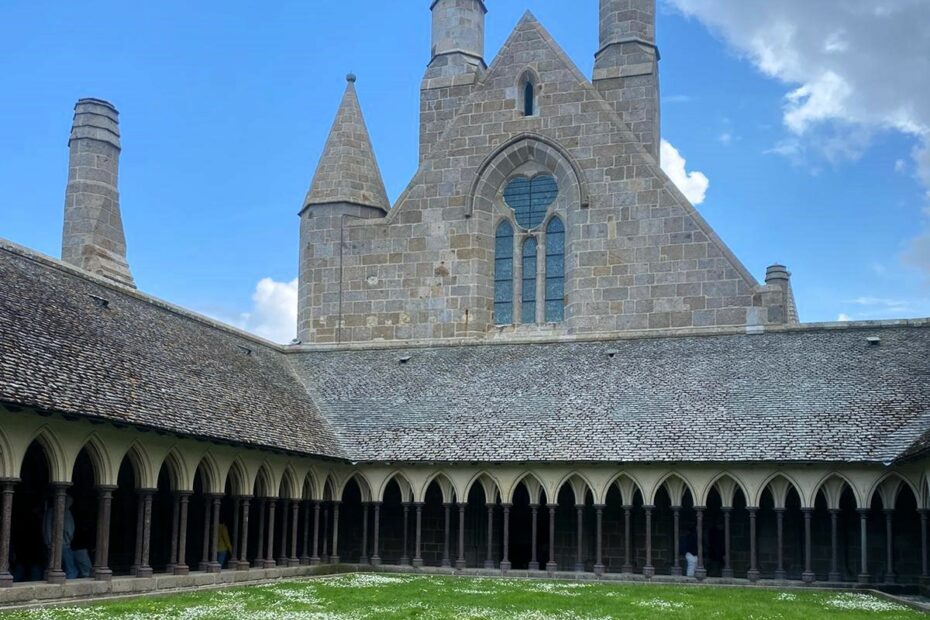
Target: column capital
<point>600,506</point>
<point>863,512</point>
<point>726,509</point>
<point>11,480</point>
<point>807,510</point>
<point>507,505</point>
<point>923,511</point>
<point>627,506</point>
<point>106,487</point>
<point>184,494</point>
<point>833,511</point>
<point>779,510</point>
<point>752,509</point>
<point>648,506</point>
<point>700,508</point>
<point>675,508</point>
<point>418,504</point>
<point>888,511</point>
<point>59,486</point>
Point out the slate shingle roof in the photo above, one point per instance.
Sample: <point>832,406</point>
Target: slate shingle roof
<point>137,362</point>
<point>805,395</point>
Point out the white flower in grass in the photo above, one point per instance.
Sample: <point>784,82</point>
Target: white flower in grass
<point>862,602</point>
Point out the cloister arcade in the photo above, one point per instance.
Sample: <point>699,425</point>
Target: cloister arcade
<point>143,503</point>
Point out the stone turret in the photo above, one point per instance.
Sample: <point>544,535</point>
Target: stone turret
<point>779,277</point>
<point>456,63</point>
<point>347,186</point>
<point>626,66</point>
<point>93,236</point>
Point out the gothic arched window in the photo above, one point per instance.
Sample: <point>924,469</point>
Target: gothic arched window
<point>528,302</point>
<point>555,271</point>
<point>529,107</point>
<point>530,198</point>
<point>503,274</point>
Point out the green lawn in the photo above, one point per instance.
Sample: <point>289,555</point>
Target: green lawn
<point>376,596</point>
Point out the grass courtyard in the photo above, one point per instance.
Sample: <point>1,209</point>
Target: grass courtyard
<point>377,596</point>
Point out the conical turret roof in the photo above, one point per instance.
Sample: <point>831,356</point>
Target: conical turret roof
<point>348,171</point>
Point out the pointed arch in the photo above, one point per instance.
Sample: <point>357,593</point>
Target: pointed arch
<point>406,488</point>
<point>628,485</point>
<point>832,485</point>
<point>445,486</point>
<point>236,478</point>
<point>888,486</point>
<point>264,482</point>
<point>364,488</point>
<point>143,477</point>
<point>329,487</point>
<point>53,452</point>
<point>727,483</point>
<point>6,456</point>
<point>99,459</point>
<point>781,485</point>
<point>528,87</point>
<point>287,487</point>
<point>210,470</point>
<point>535,487</point>
<point>676,485</point>
<point>309,486</point>
<point>490,486</point>
<point>579,483</point>
<point>178,474</point>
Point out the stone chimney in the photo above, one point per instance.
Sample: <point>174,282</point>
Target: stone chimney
<point>779,276</point>
<point>93,232</point>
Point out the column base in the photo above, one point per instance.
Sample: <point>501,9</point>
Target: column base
<point>144,571</point>
<point>417,562</point>
<point>833,576</point>
<point>459,564</point>
<point>376,560</point>
<point>305,560</point>
<point>282,561</point>
<point>649,570</point>
<point>292,562</point>
<point>361,560</point>
<point>628,568</point>
<point>676,571</point>
<point>533,566</point>
<point>808,577</point>
<point>505,566</point>
<point>579,567</point>
<point>863,578</point>
<point>269,564</point>
<point>753,575</point>
<point>446,563</point>
<point>551,567</point>
<point>55,576</point>
<point>182,569</point>
<point>242,565</point>
<point>100,574</point>
<point>334,559</point>
<point>201,566</point>
<point>890,578</point>
<point>726,573</point>
<point>314,561</point>
<point>700,573</point>
<point>404,561</point>
<point>779,575</point>
<point>6,580</point>
<point>598,569</point>
<point>213,567</point>
<point>489,564</point>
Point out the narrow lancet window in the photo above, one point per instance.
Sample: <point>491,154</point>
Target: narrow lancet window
<point>528,304</point>
<point>555,271</point>
<point>528,103</point>
<point>503,274</point>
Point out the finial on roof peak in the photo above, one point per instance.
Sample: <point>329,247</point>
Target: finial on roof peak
<point>350,77</point>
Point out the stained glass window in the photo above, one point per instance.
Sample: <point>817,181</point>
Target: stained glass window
<point>503,274</point>
<point>530,198</point>
<point>555,271</point>
<point>528,308</point>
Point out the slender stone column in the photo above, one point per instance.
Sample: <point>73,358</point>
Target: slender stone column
<point>234,553</point>
<point>54,573</point>
<point>780,522</point>
<point>676,519</point>
<point>505,562</point>
<point>181,567</point>
<point>324,557</point>
<point>315,558</point>
<point>260,551</point>
<point>144,569</point>
<point>404,558</point>
<point>460,561</point>
<point>808,575</point>
<point>489,560</point>
<point>375,554</point>
<point>6,520</point>
<point>648,569</point>
<point>243,563</point>
<point>753,574</point>
<point>446,561</point>
<point>175,517</point>
<point>417,560</point>
<point>579,551</point>
<point>627,539</point>
<point>140,520</point>
<point>282,547</point>
<point>293,560</point>
<point>101,570</point>
<point>204,563</point>
<point>889,546</point>
<point>551,566</point>
<point>923,542</point>
<point>269,557</point>
<point>214,565</point>
<point>598,540</point>
<point>727,572</point>
<point>363,559</point>
<point>863,544</point>
<point>305,556</point>
<point>834,546</point>
<point>699,571</point>
<point>534,560</point>
<point>334,558</point>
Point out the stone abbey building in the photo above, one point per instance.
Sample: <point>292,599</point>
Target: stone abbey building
<point>539,358</point>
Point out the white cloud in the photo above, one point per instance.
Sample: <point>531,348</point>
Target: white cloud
<point>274,311</point>
<point>850,67</point>
<point>725,138</point>
<point>692,184</point>
<point>843,317</point>
<point>917,254</point>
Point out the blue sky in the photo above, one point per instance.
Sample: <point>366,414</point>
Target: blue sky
<point>225,108</point>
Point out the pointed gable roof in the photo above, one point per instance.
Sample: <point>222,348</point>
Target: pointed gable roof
<point>348,171</point>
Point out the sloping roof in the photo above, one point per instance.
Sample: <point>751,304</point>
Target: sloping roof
<point>348,170</point>
<point>138,361</point>
<point>796,395</point>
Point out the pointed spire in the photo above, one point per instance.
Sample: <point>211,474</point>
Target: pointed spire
<point>348,171</point>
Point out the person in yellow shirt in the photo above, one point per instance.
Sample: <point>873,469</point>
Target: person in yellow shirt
<point>223,546</point>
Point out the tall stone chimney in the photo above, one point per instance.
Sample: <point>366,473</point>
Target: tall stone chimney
<point>93,233</point>
<point>456,63</point>
<point>626,66</point>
